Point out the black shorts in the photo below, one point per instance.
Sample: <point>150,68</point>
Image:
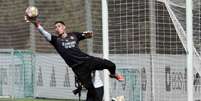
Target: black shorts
<point>99,92</point>
<point>83,71</point>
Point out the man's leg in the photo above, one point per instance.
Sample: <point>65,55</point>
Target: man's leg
<point>100,64</point>
<point>90,97</point>
<point>84,75</point>
<point>91,94</point>
<point>100,92</point>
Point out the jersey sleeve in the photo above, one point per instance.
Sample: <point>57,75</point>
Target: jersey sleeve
<point>53,40</point>
<point>80,35</point>
<point>46,34</point>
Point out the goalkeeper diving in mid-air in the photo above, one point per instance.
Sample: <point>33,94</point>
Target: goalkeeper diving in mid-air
<point>67,45</point>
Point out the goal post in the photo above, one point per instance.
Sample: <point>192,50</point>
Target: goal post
<point>189,33</point>
<point>105,47</point>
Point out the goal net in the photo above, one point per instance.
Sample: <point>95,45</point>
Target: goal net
<point>177,10</point>
<point>16,69</point>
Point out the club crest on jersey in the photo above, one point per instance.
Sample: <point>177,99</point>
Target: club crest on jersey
<point>71,37</point>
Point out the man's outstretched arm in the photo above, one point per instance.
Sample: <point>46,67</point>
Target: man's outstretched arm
<point>37,24</point>
<point>46,34</point>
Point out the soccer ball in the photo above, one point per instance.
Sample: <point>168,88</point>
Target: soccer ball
<point>31,12</point>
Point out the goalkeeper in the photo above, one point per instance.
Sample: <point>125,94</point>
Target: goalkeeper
<point>67,45</point>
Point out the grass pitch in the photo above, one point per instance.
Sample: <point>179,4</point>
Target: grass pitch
<point>32,99</point>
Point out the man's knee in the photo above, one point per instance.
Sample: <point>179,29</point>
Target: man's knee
<point>110,64</point>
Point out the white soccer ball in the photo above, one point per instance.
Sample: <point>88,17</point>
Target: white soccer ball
<point>31,12</point>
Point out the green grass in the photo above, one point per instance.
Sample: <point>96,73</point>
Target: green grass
<point>31,99</point>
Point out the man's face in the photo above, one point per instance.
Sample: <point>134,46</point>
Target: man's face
<point>59,28</point>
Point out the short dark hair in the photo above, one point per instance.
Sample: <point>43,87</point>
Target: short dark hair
<point>59,22</point>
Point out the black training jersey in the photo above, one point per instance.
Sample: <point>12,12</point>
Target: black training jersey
<point>69,49</point>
